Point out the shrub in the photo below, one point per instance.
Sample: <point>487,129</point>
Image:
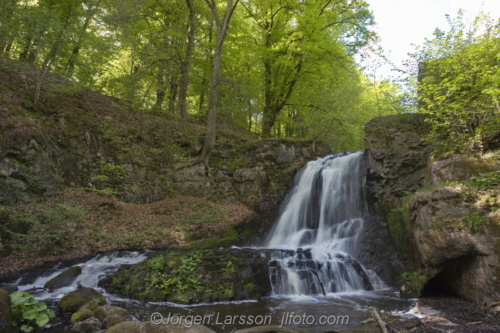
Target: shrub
<point>414,282</point>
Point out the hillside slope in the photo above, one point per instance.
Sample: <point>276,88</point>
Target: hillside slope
<point>82,173</point>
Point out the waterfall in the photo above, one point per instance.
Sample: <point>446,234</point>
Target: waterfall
<point>314,242</point>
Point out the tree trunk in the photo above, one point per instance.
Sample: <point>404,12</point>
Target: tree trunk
<point>172,93</point>
<point>222,27</point>
<point>70,66</point>
<point>186,64</point>
<point>204,80</point>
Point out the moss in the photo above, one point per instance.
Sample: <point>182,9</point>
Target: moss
<point>114,319</point>
<point>102,312</point>
<point>71,302</point>
<point>81,315</point>
<point>399,220</point>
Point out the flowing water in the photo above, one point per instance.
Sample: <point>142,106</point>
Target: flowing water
<point>315,239</point>
<point>317,282</point>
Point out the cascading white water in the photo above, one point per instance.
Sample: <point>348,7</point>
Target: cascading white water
<point>92,270</point>
<point>315,238</point>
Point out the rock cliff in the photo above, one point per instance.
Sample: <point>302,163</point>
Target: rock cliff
<point>444,214</point>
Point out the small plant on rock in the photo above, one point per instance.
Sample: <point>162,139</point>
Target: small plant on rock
<point>27,312</point>
<point>473,221</point>
<point>413,282</point>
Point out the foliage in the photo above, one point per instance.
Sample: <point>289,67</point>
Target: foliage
<point>414,282</point>
<point>459,84</point>
<point>181,277</point>
<point>229,269</point>
<point>485,180</point>
<point>473,221</point>
<point>43,230</point>
<point>288,66</point>
<point>27,312</point>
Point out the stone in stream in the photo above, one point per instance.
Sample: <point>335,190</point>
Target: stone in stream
<point>89,325</point>
<point>71,302</point>
<point>64,279</point>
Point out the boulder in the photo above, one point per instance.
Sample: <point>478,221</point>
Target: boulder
<point>89,325</point>
<point>114,319</point>
<point>64,279</point>
<point>71,302</point>
<point>5,314</point>
<point>454,255</point>
<point>111,315</point>
<point>101,312</point>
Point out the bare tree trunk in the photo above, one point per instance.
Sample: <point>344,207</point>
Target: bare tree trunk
<point>204,80</point>
<point>222,27</point>
<point>186,64</point>
<point>172,92</point>
<point>70,66</point>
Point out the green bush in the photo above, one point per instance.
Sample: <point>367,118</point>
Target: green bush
<point>27,312</point>
<point>414,282</point>
<point>485,180</point>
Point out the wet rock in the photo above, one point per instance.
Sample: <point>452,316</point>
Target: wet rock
<point>101,312</point>
<point>114,319</point>
<point>89,325</point>
<point>84,312</point>
<point>149,327</point>
<point>5,314</point>
<point>72,301</point>
<point>111,315</point>
<point>64,279</point>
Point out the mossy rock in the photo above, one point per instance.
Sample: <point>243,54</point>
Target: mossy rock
<point>81,315</point>
<point>101,312</point>
<point>64,279</point>
<point>71,302</point>
<point>84,312</point>
<point>114,319</point>
<point>190,277</point>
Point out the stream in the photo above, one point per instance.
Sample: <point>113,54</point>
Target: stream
<point>317,282</point>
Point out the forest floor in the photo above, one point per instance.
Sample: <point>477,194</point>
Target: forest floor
<point>84,223</point>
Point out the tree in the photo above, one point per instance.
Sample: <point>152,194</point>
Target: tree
<point>292,34</point>
<point>222,26</point>
<point>459,84</point>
